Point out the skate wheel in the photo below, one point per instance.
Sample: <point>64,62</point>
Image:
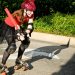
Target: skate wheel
<point>17,67</point>
<point>4,73</point>
<point>25,68</point>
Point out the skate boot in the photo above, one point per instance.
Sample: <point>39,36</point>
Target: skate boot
<point>3,68</point>
<point>25,66</point>
<point>18,64</point>
<point>21,64</point>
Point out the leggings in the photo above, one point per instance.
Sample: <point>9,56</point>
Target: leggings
<point>10,36</point>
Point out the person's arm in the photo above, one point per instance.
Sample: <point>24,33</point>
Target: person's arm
<point>30,26</point>
<point>12,18</point>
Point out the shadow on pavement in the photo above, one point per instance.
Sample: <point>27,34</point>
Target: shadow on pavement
<point>68,68</point>
<point>43,52</point>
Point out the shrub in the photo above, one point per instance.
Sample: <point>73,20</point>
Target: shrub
<point>56,23</point>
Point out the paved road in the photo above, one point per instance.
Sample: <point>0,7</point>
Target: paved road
<point>41,63</point>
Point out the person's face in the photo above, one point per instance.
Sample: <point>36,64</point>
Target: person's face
<point>29,13</point>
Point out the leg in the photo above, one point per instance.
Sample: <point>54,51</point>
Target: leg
<point>23,46</point>
<point>2,32</point>
<point>9,36</point>
<point>10,49</point>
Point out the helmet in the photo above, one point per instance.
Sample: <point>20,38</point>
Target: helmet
<point>28,5</point>
<point>29,0</point>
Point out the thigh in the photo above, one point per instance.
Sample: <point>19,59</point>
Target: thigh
<point>10,38</point>
<point>10,35</point>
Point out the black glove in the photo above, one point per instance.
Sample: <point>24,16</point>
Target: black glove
<point>20,35</point>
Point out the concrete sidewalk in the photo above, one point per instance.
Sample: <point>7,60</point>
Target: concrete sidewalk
<point>53,38</point>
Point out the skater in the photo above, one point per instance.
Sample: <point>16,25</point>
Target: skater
<point>24,18</point>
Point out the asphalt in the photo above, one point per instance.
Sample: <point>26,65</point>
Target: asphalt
<point>43,66</point>
<point>53,38</point>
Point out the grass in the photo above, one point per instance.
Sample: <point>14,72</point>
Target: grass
<point>57,23</point>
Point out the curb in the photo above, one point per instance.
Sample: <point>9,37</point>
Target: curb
<point>53,38</point>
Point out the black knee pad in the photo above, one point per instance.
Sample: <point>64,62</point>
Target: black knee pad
<point>23,47</point>
<point>25,44</point>
<point>11,49</point>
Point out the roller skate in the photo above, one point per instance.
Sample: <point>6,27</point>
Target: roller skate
<point>21,64</point>
<point>3,69</point>
<point>25,66</point>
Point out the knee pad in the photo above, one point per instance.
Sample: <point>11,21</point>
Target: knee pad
<point>23,47</point>
<point>11,49</point>
<point>25,44</point>
<point>26,41</point>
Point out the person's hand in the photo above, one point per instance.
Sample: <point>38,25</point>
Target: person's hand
<point>17,27</point>
<point>20,37</point>
<point>27,31</point>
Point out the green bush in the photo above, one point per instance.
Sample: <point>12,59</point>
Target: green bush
<point>56,23</point>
